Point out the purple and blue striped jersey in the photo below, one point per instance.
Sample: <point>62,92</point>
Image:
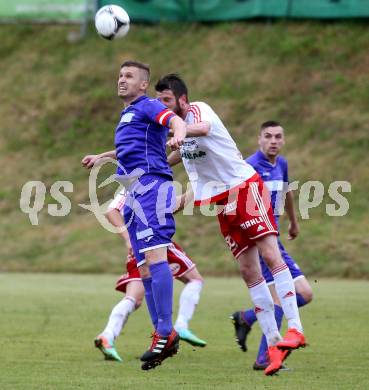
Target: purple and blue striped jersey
<point>274,176</point>
<point>140,137</point>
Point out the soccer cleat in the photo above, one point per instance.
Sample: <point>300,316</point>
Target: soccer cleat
<point>263,366</point>
<point>107,348</point>
<point>260,366</point>
<point>276,357</point>
<point>242,329</point>
<point>161,348</point>
<point>187,335</point>
<point>264,363</point>
<point>292,340</point>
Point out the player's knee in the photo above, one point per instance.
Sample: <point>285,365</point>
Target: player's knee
<point>138,302</point>
<point>244,274</point>
<point>303,288</point>
<point>243,269</point>
<point>196,278</point>
<point>248,271</point>
<point>307,295</point>
<point>108,214</point>
<point>271,258</point>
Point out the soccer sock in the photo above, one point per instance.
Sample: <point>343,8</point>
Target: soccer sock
<point>285,289</point>
<point>150,301</point>
<point>263,347</point>
<point>300,300</point>
<point>188,300</point>
<point>264,310</point>
<point>118,317</point>
<point>162,289</point>
<point>249,316</point>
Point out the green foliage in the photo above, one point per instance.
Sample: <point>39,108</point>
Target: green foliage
<point>59,103</point>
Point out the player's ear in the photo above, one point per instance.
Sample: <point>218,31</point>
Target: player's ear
<point>144,84</point>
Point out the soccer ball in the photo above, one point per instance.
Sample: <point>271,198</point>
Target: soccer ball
<point>112,21</point>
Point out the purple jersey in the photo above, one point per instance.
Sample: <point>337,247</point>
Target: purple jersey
<point>274,176</point>
<point>140,137</point>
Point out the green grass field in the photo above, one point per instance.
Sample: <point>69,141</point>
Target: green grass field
<point>48,323</point>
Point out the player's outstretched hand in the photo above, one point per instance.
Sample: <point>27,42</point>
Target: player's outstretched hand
<point>90,160</point>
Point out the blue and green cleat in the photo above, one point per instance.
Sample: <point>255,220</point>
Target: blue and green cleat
<point>189,337</point>
<point>107,348</point>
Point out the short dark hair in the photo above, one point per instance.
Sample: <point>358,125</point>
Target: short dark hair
<point>139,65</point>
<point>173,82</point>
<point>266,124</point>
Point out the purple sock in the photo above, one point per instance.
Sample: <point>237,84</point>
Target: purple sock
<point>249,316</point>
<point>150,301</point>
<point>263,347</point>
<point>162,289</point>
<point>300,300</point>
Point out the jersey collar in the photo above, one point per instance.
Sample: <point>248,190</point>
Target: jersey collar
<point>262,157</point>
<point>139,99</point>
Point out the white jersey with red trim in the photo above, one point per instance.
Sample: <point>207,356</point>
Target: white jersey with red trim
<point>213,163</point>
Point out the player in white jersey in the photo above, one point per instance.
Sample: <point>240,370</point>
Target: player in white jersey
<point>219,175</point>
<point>273,168</point>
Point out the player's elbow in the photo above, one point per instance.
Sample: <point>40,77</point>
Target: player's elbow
<point>205,128</point>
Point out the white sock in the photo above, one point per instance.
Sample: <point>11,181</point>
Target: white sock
<point>264,310</point>
<point>188,300</point>
<point>118,317</point>
<point>285,289</point>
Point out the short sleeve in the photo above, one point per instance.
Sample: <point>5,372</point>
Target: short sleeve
<point>201,112</point>
<point>157,112</point>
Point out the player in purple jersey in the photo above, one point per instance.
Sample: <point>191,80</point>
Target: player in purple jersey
<point>140,148</point>
<point>273,169</point>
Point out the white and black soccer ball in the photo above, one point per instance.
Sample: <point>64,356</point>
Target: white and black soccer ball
<point>111,22</point>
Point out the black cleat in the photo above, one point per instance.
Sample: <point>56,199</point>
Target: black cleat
<point>161,348</point>
<point>242,329</point>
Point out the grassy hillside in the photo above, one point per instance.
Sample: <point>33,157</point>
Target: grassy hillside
<point>58,103</point>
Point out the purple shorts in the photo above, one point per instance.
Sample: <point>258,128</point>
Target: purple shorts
<point>148,214</point>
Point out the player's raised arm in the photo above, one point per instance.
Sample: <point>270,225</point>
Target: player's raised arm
<point>200,129</point>
<point>90,160</point>
<point>178,126</point>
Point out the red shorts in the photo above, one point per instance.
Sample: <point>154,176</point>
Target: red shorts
<point>247,215</point>
<point>179,264</point>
